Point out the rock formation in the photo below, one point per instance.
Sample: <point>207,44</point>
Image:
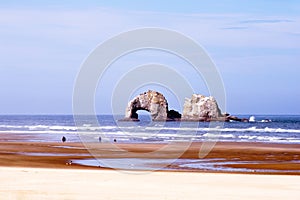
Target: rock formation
<point>173,115</point>
<point>198,108</point>
<point>151,101</point>
<point>201,108</point>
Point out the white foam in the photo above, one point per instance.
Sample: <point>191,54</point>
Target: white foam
<point>147,128</point>
<point>252,119</point>
<point>68,128</point>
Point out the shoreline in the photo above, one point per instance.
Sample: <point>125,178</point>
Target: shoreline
<point>225,157</point>
<point>42,170</point>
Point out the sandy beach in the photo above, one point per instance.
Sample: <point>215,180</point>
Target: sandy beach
<point>37,183</point>
<point>44,170</point>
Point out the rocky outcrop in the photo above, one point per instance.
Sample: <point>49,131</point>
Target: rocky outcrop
<point>197,108</point>
<point>151,101</point>
<point>201,108</point>
<point>173,115</point>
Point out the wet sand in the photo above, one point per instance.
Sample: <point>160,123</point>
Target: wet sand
<point>254,157</point>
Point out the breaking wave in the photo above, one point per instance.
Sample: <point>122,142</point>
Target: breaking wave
<point>140,128</point>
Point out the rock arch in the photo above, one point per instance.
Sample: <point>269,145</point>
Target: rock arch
<point>151,101</point>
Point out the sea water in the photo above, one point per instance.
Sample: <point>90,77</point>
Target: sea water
<point>265,128</point>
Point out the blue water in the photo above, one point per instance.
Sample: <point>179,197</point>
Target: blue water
<point>280,129</point>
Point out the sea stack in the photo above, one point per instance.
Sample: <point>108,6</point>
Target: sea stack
<point>151,101</point>
<point>201,108</point>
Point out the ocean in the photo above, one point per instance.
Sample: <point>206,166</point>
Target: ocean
<point>51,128</point>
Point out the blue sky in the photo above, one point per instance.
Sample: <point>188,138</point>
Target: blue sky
<point>254,44</point>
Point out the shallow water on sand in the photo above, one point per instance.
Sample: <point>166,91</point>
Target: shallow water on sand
<point>215,164</point>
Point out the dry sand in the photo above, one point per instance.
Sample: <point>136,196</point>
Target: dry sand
<point>38,183</point>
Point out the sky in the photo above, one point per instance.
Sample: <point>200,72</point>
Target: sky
<point>255,46</point>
